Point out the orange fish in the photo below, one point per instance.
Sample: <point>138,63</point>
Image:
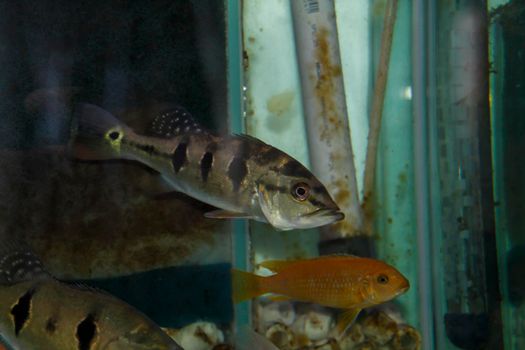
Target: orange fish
<point>341,281</point>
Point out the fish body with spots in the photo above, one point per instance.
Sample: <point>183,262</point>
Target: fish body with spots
<point>240,175</point>
<point>40,312</point>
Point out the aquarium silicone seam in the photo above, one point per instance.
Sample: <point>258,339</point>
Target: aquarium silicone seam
<point>235,83</point>
<point>496,86</point>
<point>421,164</point>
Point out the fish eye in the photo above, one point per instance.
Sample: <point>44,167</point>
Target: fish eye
<point>114,135</point>
<point>382,279</point>
<point>301,191</point>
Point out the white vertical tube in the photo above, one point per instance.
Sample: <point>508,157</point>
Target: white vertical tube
<point>325,112</point>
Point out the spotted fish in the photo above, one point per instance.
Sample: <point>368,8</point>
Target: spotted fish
<point>40,312</point>
<point>240,175</point>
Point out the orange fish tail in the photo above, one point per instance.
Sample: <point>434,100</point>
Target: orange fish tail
<point>246,285</point>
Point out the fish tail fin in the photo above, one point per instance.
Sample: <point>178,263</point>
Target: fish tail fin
<point>246,285</point>
<point>96,134</point>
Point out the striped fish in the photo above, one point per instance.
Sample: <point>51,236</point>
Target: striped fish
<point>41,313</point>
<point>240,175</point>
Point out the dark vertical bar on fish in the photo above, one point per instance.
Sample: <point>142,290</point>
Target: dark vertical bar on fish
<point>179,156</point>
<point>206,165</point>
<point>237,171</point>
<point>267,156</point>
<point>22,311</point>
<point>51,325</point>
<point>86,331</point>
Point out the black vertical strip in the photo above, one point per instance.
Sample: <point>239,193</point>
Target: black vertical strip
<point>237,171</point>
<point>179,156</point>
<point>86,331</point>
<point>21,311</point>
<point>206,163</point>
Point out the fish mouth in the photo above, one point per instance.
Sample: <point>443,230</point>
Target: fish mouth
<point>404,288</point>
<point>339,215</point>
<point>326,212</point>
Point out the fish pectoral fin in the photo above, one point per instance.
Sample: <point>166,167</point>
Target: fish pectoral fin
<point>345,320</point>
<point>226,214</point>
<point>265,204</point>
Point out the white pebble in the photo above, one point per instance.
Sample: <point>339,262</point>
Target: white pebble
<point>199,336</point>
<point>275,312</point>
<point>314,322</point>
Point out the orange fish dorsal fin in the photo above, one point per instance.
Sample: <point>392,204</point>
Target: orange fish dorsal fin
<point>345,320</point>
<point>277,265</point>
<point>278,298</point>
<point>336,256</point>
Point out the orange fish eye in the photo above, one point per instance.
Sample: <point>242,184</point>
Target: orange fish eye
<point>382,279</point>
<point>301,191</point>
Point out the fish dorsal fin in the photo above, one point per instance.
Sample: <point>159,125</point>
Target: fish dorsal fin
<point>278,298</point>
<point>19,264</point>
<point>277,265</point>
<point>250,138</point>
<point>173,122</point>
<point>337,255</point>
<point>87,288</point>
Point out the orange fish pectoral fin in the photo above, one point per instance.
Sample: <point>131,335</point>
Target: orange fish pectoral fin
<point>345,320</point>
<point>245,285</point>
<point>277,265</point>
